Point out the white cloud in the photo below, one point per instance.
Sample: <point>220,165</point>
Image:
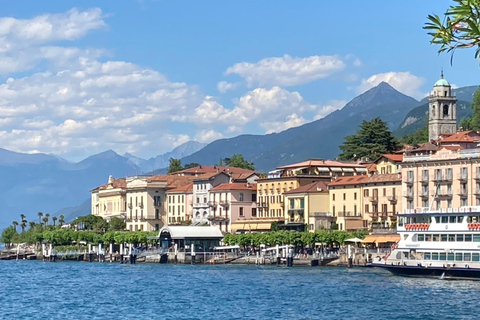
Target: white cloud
<point>287,71</point>
<point>292,120</point>
<point>208,136</point>
<point>325,110</point>
<point>224,86</point>
<point>404,82</point>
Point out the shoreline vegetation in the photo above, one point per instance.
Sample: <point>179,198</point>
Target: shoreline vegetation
<point>92,230</point>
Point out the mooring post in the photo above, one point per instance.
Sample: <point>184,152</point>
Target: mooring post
<point>111,252</point>
<point>193,254</point>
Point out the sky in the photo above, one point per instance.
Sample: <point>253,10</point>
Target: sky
<point>144,76</point>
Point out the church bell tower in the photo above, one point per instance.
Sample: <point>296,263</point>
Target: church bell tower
<point>442,110</point>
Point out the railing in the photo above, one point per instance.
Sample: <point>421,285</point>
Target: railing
<point>408,194</point>
<point>224,203</point>
<point>392,198</point>
<point>384,230</point>
<point>424,178</point>
<point>130,205</point>
<point>200,204</point>
<point>477,176</point>
<point>212,204</point>
<point>296,208</point>
<point>424,194</point>
<point>447,193</point>
<point>463,192</point>
<point>321,214</point>
<point>463,176</point>
<point>373,199</point>
<point>349,214</point>
<point>409,179</point>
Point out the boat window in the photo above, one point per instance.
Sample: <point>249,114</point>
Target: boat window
<point>400,222</point>
<point>421,237</point>
<point>436,237</point>
<point>460,237</point>
<point>451,238</point>
<point>405,254</point>
<point>428,237</point>
<point>453,219</point>
<point>467,256</point>
<point>444,237</point>
<point>468,238</point>
<point>458,256</point>
<point>437,219</point>
<point>444,219</point>
<point>475,256</point>
<point>476,238</point>
<point>426,256</point>
<point>443,256</point>
<point>435,256</point>
<point>459,219</point>
<point>451,256</point>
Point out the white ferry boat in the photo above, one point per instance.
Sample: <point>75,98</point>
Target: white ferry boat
<point>436,243</point>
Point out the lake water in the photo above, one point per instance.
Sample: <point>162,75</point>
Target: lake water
<point>80,290</point>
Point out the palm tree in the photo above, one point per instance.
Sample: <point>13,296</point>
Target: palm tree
<point>47,215</point>
<point>15,224</point>
<point>54,219</point>
<point>45,220</point>
<point>40,215</point>
<point>32,225</point>
<point>23,223</point>
<point>61,221</point>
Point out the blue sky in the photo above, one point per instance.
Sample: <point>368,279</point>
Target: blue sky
<point>145,76</point>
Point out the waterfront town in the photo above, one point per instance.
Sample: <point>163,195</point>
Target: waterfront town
<point>315,194</point>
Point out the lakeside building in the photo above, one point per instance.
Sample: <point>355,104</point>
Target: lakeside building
<point>309,205</point>
<point>389,163</point>
<point>270,190</point>
<point>361,202</point>
<point>179,202</point>
<point>147,200</point>
<point>109,200</point>
<point>232,206</point>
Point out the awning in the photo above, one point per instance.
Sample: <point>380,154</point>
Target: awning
<point>348,170</point>
<point>361,169</point>
<point>253,226</point>
<point>323,169</point>
<point>370,239</point>
<point>381,238</point>
<point>334,169</point>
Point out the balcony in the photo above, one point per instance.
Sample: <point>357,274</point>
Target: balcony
<point>212,217</point>
<point>409,179</point>
<point>408,194</point>
<point>462,192</point>
<point>424,194</point>
<point>130,206</point>
<point>200,204</point>
<point>373,199</point>
<point>224,203</point>
<point>477,176</point>
<point>296,209</point>
<point>425,179</point>
<point>349,215</point>
<point>321,215</point>
<point>128,219</point>
<point>296,219</point>
<point>444,193</point>
<point>140,205</point>
<point>477,191</point>
<point>442,178</point>
<point>392,199</point>
<point>212,204</point>
<point>463,176</point>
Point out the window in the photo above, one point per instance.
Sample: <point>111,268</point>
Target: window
<point>241,196</point>
<point>436,237</point>
<point>451,238</point>
<point>344,196</point>
<point>450,256</point>
<point>354,209</point>
<point>365,193</point>
<point>435,256</point>
<point>468,238</point>
<point>421,237</point>
<point>254,212</point>
<point>453,219</point>
<point>443,256</point>
<point>384,192</point>
<point>333,196</point>
<point>443,237</point>
<point>475,256</point>
<point>428,237</point>
<point>444,219</point>
<point>459,237</point>
<point>426,256</point>
<point>241,212</point>
<point>367,209</point>
<point>476,238</point>
<point>355,196</point>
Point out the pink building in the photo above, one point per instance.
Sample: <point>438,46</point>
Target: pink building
<point>230,203</point>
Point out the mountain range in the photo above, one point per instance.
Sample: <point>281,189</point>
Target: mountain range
<point>47,183</point>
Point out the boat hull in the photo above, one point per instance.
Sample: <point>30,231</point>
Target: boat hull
<point>450,273</point>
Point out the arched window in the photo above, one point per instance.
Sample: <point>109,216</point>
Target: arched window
<point>433,111</point>
<point>445,110</point>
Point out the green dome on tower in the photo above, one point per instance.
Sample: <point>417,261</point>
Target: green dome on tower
<point>442,82</point>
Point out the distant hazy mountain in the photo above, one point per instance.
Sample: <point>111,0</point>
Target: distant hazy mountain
<point>318,139</point>
<point>162,161</point>
<point>71,213</point>
<point>417,118</point>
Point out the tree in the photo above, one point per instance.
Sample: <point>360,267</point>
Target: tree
<point>45,220</point>
<point>372,139</point>
<point>32,225</point>
<point>7,235</point>
<point>15,224</point>
<point>116,224</point>
<point>23,222</point>
<point>459,28</point>
<point>473,122</point>
<point>40,215</point>
<point>54,219</point>
<point>417,137</point>
<point>61,221</point>
<point>175,165</point>
<point>47,216</point>
<point>237,161</point>
<point>190,165</point>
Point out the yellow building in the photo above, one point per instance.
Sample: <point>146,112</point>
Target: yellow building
<point>389,163</point>
<point>365,202</point>
<point>109,200</point>
<point>309,205</point>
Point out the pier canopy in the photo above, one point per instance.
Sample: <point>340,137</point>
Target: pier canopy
<point>203,239</point>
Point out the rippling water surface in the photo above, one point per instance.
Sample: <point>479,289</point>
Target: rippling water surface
<point>75,290</point>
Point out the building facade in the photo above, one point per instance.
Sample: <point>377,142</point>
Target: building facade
<point>442,110</point>
<point>109,200</point>
<point>180,205</point>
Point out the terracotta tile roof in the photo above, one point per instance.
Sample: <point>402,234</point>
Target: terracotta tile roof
<point>363,179</point>
<point>427,146</point>
<point>117,183</point>
<point>235,186</point>
<point>452,148</point>
<point>213,169</point>
<point>371,167</point>
<point>321,163</point>
<point>461,136</point>
<point>394,157</point>
<point>314,187</point>
<point>172,181</point>
<point>185,188</point>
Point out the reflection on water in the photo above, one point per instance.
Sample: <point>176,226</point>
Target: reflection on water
<point>70,290</point>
